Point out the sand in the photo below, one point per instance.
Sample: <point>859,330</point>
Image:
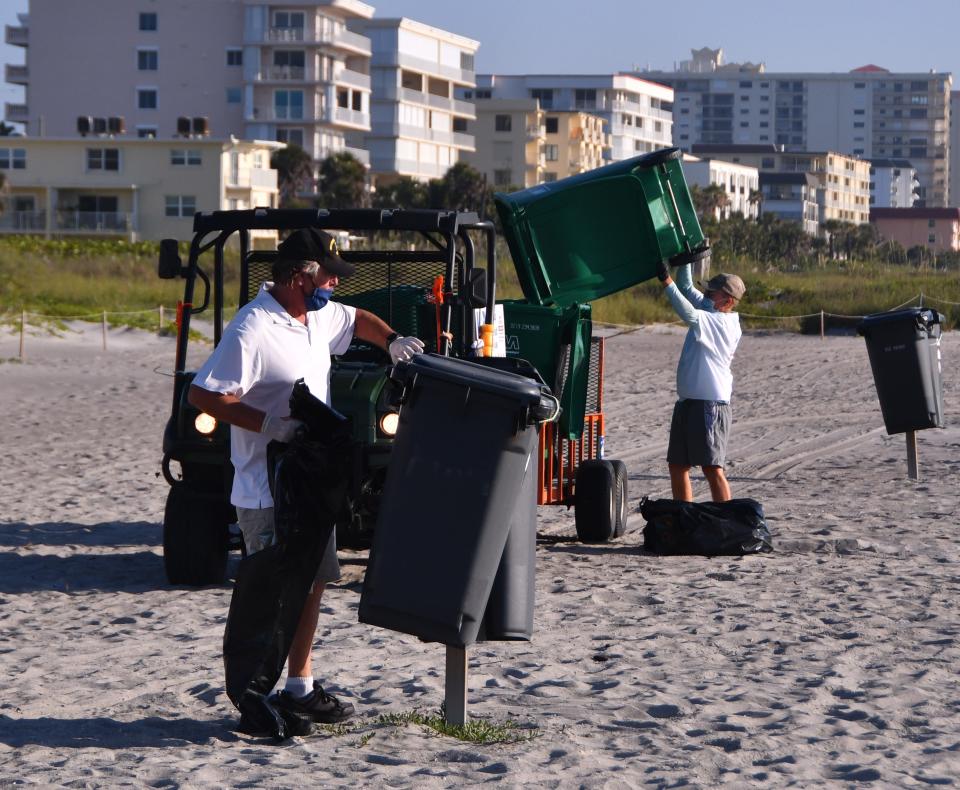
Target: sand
<point>830,662</point>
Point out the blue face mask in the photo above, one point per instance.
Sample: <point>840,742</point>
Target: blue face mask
<point>318,298</point>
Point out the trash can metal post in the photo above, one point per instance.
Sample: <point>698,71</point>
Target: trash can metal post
<point>455,686</point>
<point>913,467</point>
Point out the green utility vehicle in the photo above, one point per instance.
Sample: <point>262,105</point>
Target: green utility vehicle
<point>572,241</point>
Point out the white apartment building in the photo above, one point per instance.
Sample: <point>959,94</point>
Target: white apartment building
<point>637,112</point>
<point>128,187</point>
<point>893,183</point>
<point>740,182</point>
<point>868,112</point>
<point>955,147</point>
<point>253,69</point>
<point>793,198</point>
<point>418,122</point>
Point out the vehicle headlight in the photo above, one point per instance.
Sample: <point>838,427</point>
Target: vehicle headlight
<point>205,424</point>
<point>389,423</point>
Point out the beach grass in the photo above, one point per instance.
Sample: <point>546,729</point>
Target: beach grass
<point>86,279</point>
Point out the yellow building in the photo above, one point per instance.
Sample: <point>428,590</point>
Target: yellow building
<point>574,143</point>
<point>130,188</point>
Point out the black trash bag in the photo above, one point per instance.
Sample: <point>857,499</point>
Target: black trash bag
<point>309,483</point>
<point>708,528</point>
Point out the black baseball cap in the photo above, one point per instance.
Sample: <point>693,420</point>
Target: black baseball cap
<point>312,244</point>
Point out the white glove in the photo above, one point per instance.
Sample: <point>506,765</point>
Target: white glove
<point>282,429</point>
<point>404,349</point>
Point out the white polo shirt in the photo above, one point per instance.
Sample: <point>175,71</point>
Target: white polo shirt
<point>263,351</point>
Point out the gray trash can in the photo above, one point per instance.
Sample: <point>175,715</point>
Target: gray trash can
<point>461,481</point>
<point>904,350</point>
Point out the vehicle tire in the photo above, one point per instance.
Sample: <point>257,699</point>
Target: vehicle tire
<point>660,157</point>
<point>620,497</point>
<point>195,537</point>
<point>594,504</point>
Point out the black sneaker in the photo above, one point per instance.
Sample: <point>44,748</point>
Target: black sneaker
<point>317,705</point>
<point>260,719</point>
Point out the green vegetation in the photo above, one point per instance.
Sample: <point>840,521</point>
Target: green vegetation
<point>475,730</point>
<point>87,277</point>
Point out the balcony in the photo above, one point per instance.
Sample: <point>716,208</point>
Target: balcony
<point>336,37</point>
<point>455,106</point>
<point>17,75</point>
<point>536,131</point>
<point>257,178</point>
<point>424,66</point>
<point>17,35</point>
<point>409,167</point>
<point>23,221</point>
<point>354,79</point>
<point>361,154</point>
<point>16,113</point>
<point>106,222</point>
<point>284,74</point>
<point>347,117</point>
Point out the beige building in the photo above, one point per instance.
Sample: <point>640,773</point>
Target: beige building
<point>937,229</point>
<point>509,135</point>
<point>575,142</point>
<point>844,181</point>
<point>129,188</point>
<point>256,70</point>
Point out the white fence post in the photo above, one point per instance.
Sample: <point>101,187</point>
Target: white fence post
<point>160,322</point>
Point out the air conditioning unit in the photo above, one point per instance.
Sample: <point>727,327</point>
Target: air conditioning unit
<point>201,126</point>
<point>116,126</point>
<point>183,126</point>
<point>99,125</point>
<point>84,125</point>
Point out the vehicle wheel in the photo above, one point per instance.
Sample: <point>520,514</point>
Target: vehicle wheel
<point>594,504</point>
<point>620,497</point>
<point>195,537</point>
<point>660,157</point>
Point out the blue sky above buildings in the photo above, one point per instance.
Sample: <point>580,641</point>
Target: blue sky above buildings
<point>600,36</point>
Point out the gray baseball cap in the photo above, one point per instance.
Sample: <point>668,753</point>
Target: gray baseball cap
<point>729,284</point>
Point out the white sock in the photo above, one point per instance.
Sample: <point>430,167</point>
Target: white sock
<point>299,687</point>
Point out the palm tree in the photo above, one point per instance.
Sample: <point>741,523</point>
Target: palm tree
<point>342,182</point>
<point>294,168</point>
<point>755,198</point>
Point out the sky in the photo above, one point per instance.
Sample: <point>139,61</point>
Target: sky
<point>557,36</point>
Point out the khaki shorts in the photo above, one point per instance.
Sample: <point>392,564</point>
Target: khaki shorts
<point>698,433</point>
<point>258,533</point>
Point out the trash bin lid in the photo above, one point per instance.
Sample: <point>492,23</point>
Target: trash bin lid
<point>594,234</point>
<point>911,316</point>
<point>525,391</point>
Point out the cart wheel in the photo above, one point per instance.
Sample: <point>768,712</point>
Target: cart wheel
<point>595,504</point>
<point>195,537</point>
<point>694,256</point>
<point>620,496</point>
<point>660,157</point>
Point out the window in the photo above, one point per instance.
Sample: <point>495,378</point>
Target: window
<point>746,84</point>
<point>148,22</point>
<point>147,59</point>
<point>288,19</point>
<point>858,125</point>
<point>180,205</point>
<point>931,223</point>
<point>357,101</point>
<point>190,156</point>
<point>744,124</point>
<point>585,98</point>
<point>13,158</point>
<point>858,112</point>
<point>918,85</point>
<point>460,125</point>
<point>549,177</point>
<point>767,163</point>
<point>288,105</point>
<point>764,98</point>
<point>931,238</point>
<point>147,98</point>
<point>234,57</point>
<point>552,125</point>
<point>502,123</point>
<point>764,124</point>
<point>148,132</point>
<point>918,112</point>
<point>103,159</point>
<point>544,96</point>
<point>234,95</point>
<point>290,136</point>
<point>484,94</point>
<point>502,177</point>
<point>658,126</point>
<point>551,152</point>
<point>862,85</point>
<point>467,61</point>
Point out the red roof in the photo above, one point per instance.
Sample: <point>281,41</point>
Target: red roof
<point>871,68</point>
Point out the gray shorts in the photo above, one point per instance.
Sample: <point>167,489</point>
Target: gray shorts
<point>258,533</point>
<point>698,433</point>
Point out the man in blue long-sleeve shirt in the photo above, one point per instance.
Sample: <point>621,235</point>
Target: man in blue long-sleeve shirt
<point>702,414</point>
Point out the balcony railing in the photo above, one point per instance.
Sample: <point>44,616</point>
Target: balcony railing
<point>17,35</point>
<point>16,113</point>
<point>256,178</point>
<point>361,154</point>
<point>17,75</point>
<point>94,221</point>
<point>351,117</point>
<point>23,221</point>
<point>339,37</point>
<point>355,79</point>
<point>424,66</point>
<point>284,73</point>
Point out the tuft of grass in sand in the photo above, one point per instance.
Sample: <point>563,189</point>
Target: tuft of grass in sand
<point>478,731</point>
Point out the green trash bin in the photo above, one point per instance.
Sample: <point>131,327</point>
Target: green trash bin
<point>600,232</point>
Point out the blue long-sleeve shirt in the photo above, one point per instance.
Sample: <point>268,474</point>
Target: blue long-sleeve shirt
<point>703,372</point>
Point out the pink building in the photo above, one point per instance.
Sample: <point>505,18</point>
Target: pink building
<point>938,229</point>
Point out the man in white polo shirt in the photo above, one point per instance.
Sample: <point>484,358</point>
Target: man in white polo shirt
<point>702,415</point>
<point>287,332</point>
